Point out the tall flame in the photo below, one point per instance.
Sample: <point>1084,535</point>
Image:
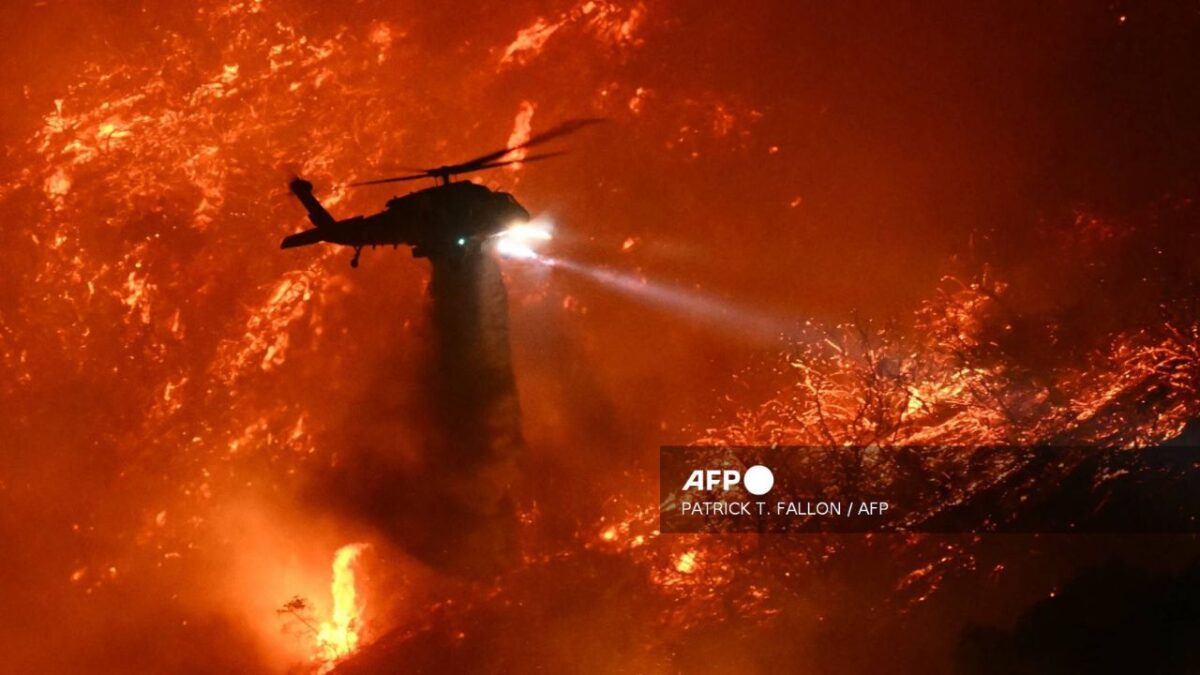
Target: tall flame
<point>339,636</point>
<point>522,127</point>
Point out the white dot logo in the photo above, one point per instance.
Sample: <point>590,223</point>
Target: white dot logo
<point>758,480</point>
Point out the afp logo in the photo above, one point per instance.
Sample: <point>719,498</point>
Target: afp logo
<point>758,479</point>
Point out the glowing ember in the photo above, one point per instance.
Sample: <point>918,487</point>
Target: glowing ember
<point>686,563</point>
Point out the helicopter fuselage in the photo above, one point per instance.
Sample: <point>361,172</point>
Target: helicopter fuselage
<point>445,220</point>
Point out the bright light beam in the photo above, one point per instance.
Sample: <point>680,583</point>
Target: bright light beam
<point>740,321</point>
<point>518,240</point>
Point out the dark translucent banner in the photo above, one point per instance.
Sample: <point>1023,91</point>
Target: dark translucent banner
<point>942,489</point>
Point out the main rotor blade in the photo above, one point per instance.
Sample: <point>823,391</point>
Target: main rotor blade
<point>394,179</point>
<point>531,158</point>
<point>436,173</point>
<point>570,126</point>
<point>488,161</point>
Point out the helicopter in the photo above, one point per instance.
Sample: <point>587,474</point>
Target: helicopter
<point>445,221</point>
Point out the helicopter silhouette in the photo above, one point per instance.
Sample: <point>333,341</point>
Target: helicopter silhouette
<point>446,221</point>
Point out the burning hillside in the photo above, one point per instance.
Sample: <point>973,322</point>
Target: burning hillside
<point>803,225</point>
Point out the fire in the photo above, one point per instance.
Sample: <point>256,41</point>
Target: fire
<point>686,563</point>
<point>607,21</point>
<point>522,127</point>
<point>156,340</point>
<point>339,637</point>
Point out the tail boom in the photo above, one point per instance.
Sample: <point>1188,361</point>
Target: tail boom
<point>316,213</point>
<point>305,238</point>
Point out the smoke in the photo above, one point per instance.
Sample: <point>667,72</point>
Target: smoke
<point>473,403</point>
<point>432,466</point>
<point>162,362</point>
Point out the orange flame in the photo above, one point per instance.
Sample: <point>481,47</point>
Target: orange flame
<point>522,127</point>
<point>339,637</point>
